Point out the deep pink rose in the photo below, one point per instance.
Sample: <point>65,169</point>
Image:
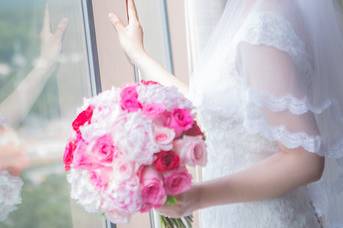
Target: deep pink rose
<point>83,118</point>
<point>152,189</point>
<point>192,150</point>
<point>166,160</point>
<point>177,181</point>
<point>180,120</point>
<point>153,110</point>
<point>130,104</point>
<point>69,154</point>
<point>195,130</point>
<point>129,99</point>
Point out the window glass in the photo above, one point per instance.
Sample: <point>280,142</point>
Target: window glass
<point>44,75</point>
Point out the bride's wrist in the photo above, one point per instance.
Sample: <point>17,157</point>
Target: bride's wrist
<point>201,201</point>
<point>140,57</point>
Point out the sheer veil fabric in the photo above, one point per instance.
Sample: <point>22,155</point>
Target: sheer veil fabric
<point>285,56</point>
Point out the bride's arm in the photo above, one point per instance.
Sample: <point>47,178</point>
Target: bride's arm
<point>272,177</point>
<point>131,40</point>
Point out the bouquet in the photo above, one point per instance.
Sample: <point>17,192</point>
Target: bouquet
<point>130,148</point>
<point>10,193</point>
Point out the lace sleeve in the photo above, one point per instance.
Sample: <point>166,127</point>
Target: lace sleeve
<point>10,189</point>
<point>276,68</point>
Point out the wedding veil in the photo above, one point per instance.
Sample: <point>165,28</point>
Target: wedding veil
<point>295,85</point>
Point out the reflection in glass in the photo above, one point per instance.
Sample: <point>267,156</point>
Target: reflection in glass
<point>43,78</point>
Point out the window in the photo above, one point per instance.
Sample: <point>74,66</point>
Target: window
<point>44,74</point>
<point>47,66</point>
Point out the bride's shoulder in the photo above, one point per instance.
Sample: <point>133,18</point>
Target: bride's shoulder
<point>277,29</point>
<point>270,26</point>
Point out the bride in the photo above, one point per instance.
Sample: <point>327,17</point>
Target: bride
<point>268,94</point>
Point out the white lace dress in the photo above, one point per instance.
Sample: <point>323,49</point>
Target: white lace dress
<point>244,119</point>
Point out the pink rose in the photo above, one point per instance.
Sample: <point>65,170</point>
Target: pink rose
<point>129,99</point>
<point>129,91</point>
<point>180,120</point>
<point>164,137</point>
<point>177,181</point>
<point>104,149</point>
<point>153,110</point>
<point>192,150</point>
<point>152,189</point>
<point>96,155</point>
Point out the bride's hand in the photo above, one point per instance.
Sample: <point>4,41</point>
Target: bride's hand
<point>186,203</point>
<point>131,35</point>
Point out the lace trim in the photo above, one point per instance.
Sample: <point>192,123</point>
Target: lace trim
<point>268,28</point>
<point>288,102</point>
<point>289,139</point>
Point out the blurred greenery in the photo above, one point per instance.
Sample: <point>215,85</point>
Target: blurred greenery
<point>44,205</point>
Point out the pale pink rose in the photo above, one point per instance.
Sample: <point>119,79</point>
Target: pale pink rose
<point>127,196</point>
<point>123,170</point>
<point>177,181</point>
<point>152,189</point>
<point>153,110</point>
<point>180,120</point>
<point>192,150</point>
<point>164,137</point>
<point>100,177</point>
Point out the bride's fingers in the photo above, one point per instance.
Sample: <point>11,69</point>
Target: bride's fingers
<point>62,26</point>
<point>132,12</point>
<point>116,22</point>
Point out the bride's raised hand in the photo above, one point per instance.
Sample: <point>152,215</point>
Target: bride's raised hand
<point>130,35</point>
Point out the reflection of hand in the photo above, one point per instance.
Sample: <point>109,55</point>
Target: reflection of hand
<point>51,42</point>
<point>12,156</point>
<point>187,202</point>
<point>130,36</point>
<point>12,159</point>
